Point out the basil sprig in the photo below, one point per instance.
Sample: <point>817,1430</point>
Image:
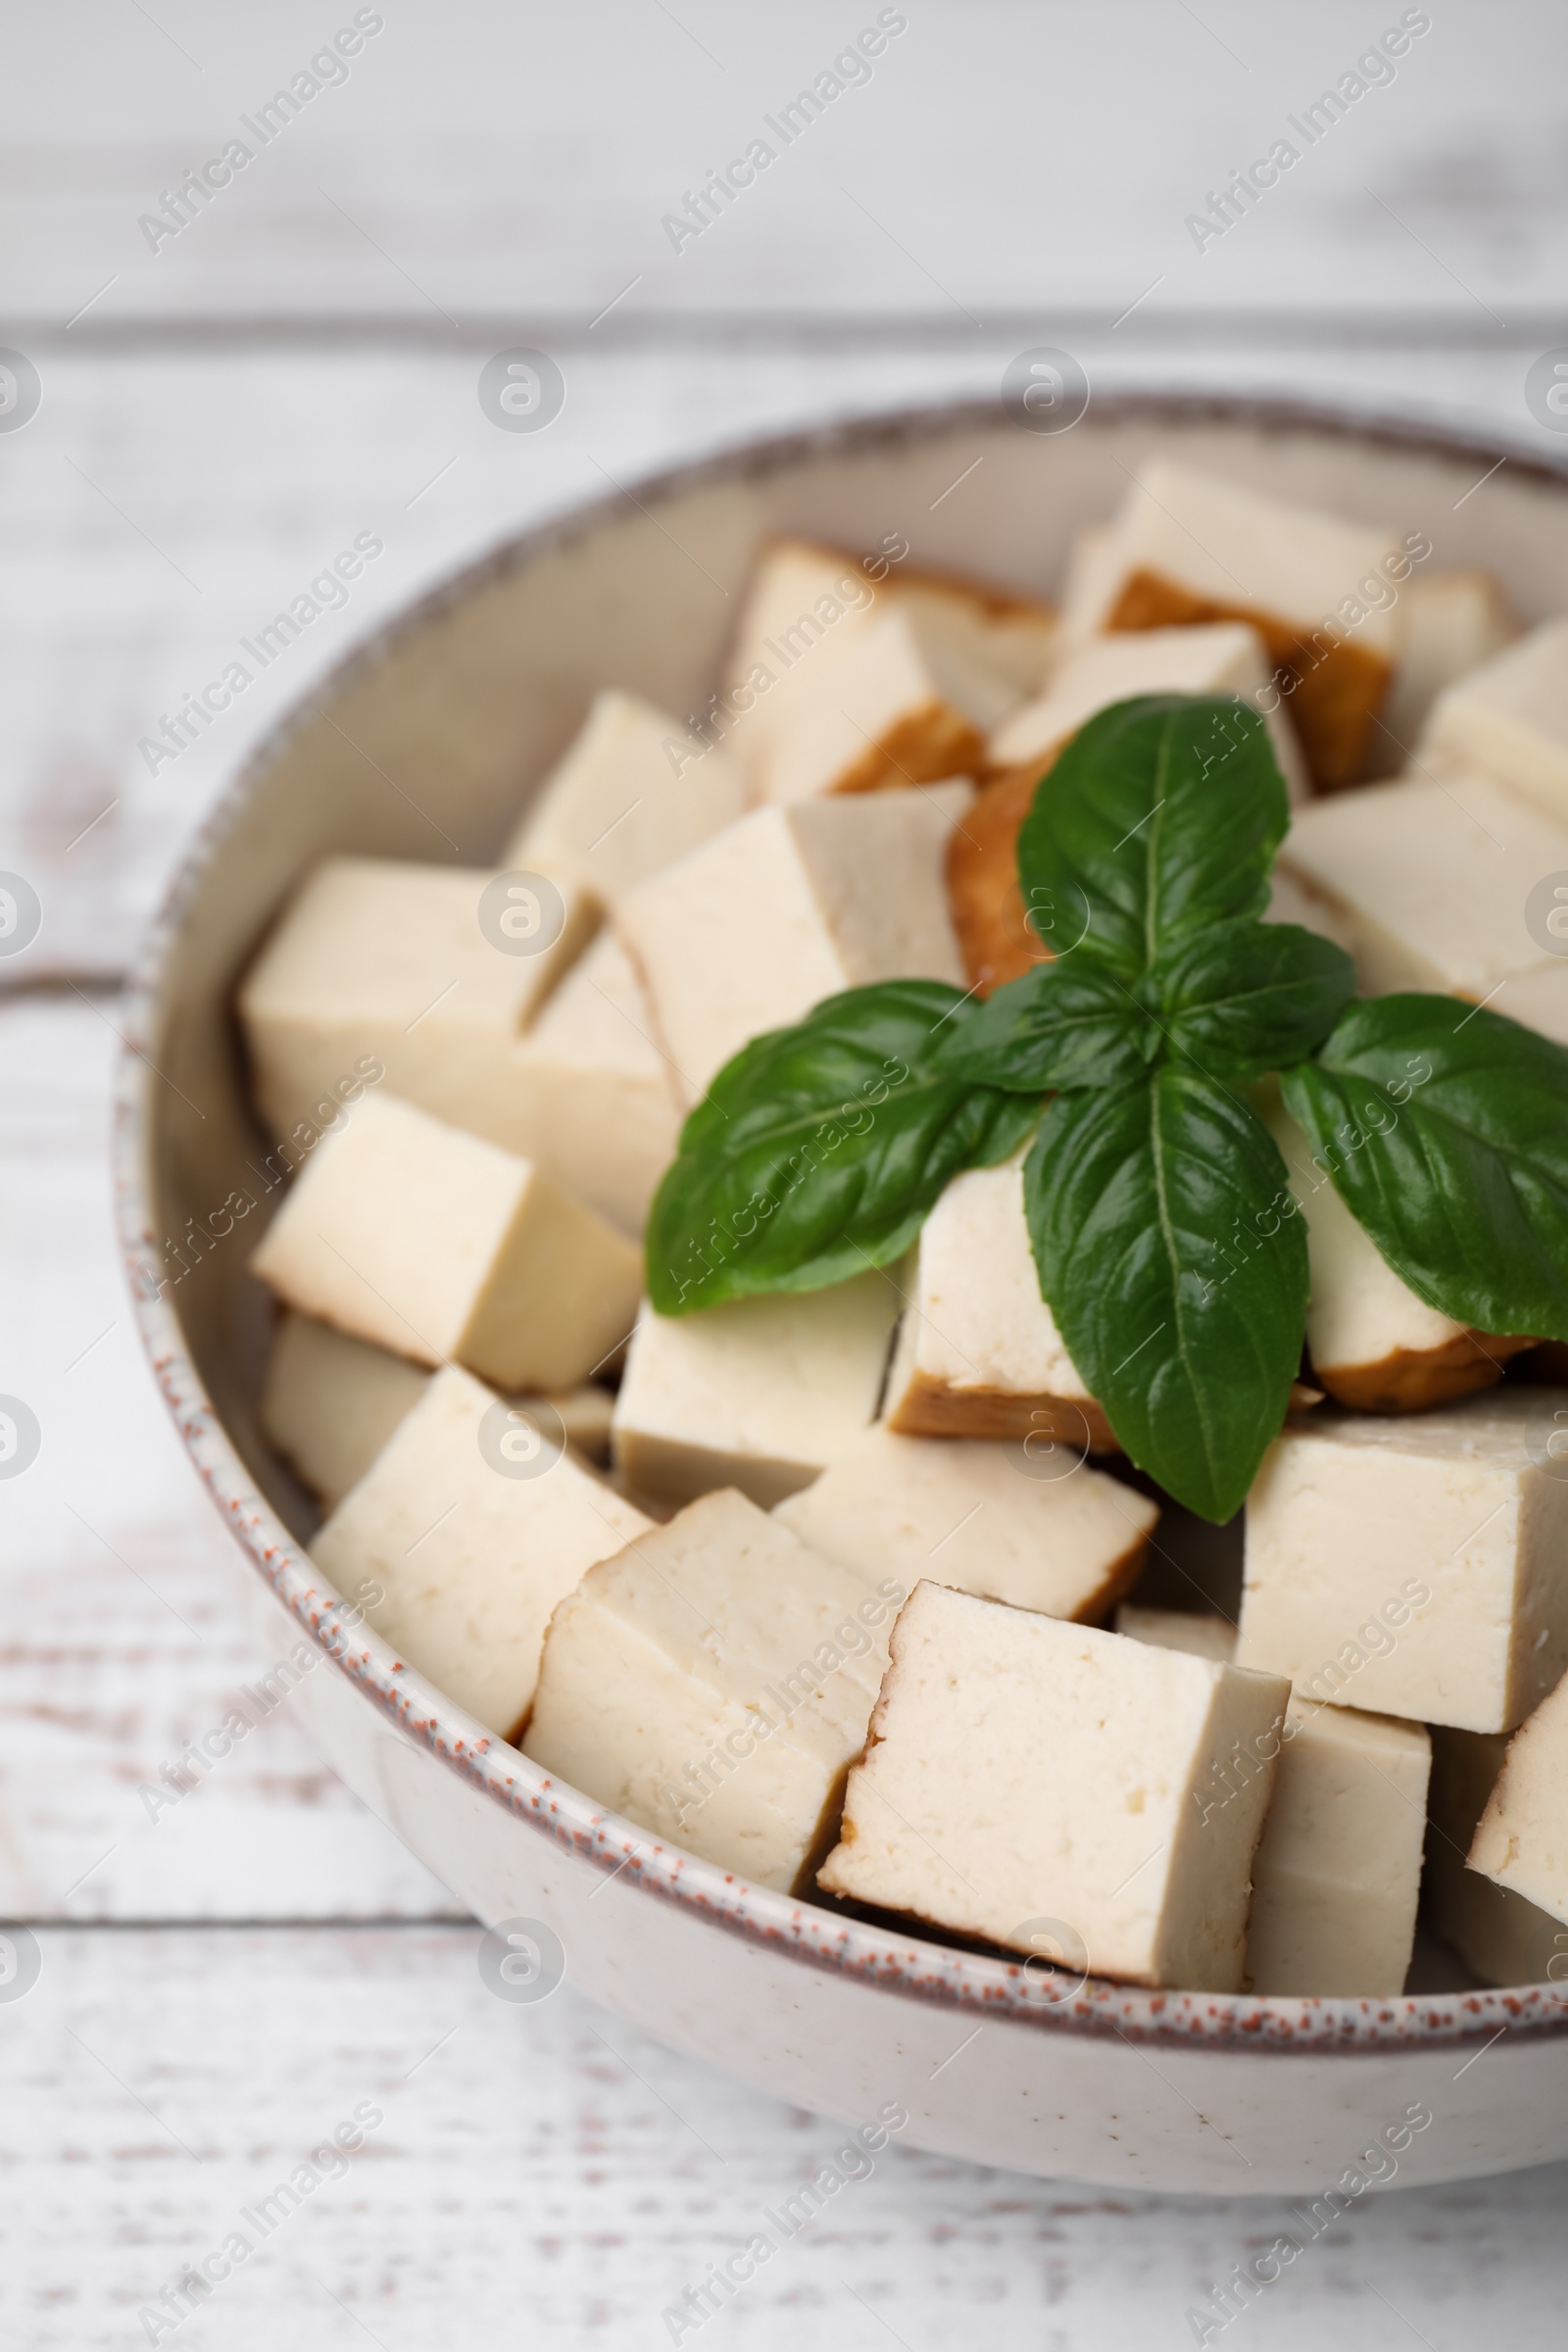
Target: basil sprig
<point>1164,1232</point>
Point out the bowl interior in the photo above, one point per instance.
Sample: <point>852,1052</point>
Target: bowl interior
<point>428,741</point>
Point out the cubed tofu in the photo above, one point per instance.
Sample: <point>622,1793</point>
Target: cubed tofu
<point>1337,1875</point>
<point>472,1545</point>
<point>900,702</point>
<point>330,1403</point>
<point>376,960</point>
<point>978,1352</point>
<point>441,1247</point>
<point>759,1394</point>
<point>803,594</point>
<point>752,930</point>
<point>589,1094</point>
<point>1089,583</point>
<point>1509,719</point>
<point>1217,657</point>
<point>965,1514</point>
<point>1433,879</point>
<point>1521,1841</point>
<point>1374,1344</point>
<point>1454,621</point>
<point>1022,1771</point>
<point>712,1683</point>
<point>1501,1937</point>
<point>1291,900</point>
<point>1417,1567</point>
<point>634,790</point>
<point>1322,593</point>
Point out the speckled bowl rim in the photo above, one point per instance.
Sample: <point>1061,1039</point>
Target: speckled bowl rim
<point>897,1962</point>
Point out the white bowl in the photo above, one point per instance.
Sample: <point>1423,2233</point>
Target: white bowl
<point>458,708</point>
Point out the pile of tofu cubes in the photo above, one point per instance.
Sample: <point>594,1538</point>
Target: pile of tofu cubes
<point>830,1589</point>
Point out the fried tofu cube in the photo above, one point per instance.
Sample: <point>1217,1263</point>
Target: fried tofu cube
<point>760,1393</point>
<point>1520,1842</point>
<point>1508,720</point>
<point>1433,880</point>
<point>970,1516</point>
<point>1501,1936</point>
<point>763,922</point>
<point>589,1093</point>
<point>1337,1875</point>
<point>978,1352</point>
<point>632,791</point>
<point>1213,658</point>
<point>377,960</point>
<point>471,1524</point>
<point>1374,1344</point>
<point>712,1683</point>
<point>1322,594</point>
<point>1417,1567</point>
<point>439,1246</point>
<point>1454,621</point>
<point>903,701</point>
<point>1022,1771</point>
<point>805,595</point>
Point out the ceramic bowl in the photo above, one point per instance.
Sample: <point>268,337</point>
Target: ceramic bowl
<point>457,708</point>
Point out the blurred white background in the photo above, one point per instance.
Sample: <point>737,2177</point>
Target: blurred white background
<point>222,409</point>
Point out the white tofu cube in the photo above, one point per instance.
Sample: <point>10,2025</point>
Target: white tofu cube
<point>759,1394</point>
<point>633,792</point>
<point>966,1515</point>
<point>904,700</point>
<point>1520,1842</point>
<point>330,1403</point>
<point>1454,621</point>
<point>1509,719</point>
<point>589,1094</point>
<point>978,1352</point>
<point>1418,1567</point>
<point>1501,1937</point>
<point>1433,880</point>
<point>1538,1000</point>
<point>712,1682</point>
<point>1089,584</point>
<point>1337,1875</point>
<point>1321,592</point>
<point>1020,1770</point>
<point>439,1246</point>
<point>752,930</point>
<point>474,1525</point>
<point>1374,1344</point>
<point>379,961</point>
<point>1221,658</point>
<point>1294,901</point>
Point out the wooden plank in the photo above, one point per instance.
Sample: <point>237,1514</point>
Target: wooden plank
<point>164,504</point>
<point>481,162</point>
<point>544,2162</point>
<point>118,1642</point>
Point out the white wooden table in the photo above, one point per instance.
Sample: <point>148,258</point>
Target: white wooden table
<point>221,1985</point>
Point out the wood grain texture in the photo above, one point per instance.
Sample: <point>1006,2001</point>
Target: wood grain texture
<point>545,2174</point>
<point>1011,159</point>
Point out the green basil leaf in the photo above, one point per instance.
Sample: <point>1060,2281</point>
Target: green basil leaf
<point>1189,1337</point>
<point>1064,1024</point>
<point>1246,997</point>
<point>821,1148</point>
<point>1445,1132</point>
<point>1161,816</point>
